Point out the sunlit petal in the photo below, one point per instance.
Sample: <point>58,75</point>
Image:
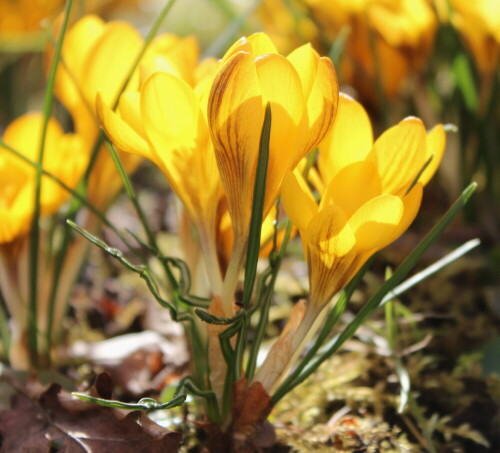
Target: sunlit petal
<point>400,155</point>
<point>435,146</point>
<point>350,139</point>
<point>374,223</point>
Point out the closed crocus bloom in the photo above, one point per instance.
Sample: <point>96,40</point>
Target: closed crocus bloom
<point>479,24</point>
<point>96,57</point>
<point>177,141</point>
<point>64,157</point>
<point>302,90</point>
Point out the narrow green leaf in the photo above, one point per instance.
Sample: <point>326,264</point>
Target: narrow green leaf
<point>415,180</point>
<point>331,321</point>
<point>464,79</point>
<point>218,321</point>
<point>338,46</point>
<point>432,269</point>
<point>4,327</point>
<point>145,404</point>
<point>228,35</point>
<point>35,231</point>
<point>143,271</point>
<point>257,209</point>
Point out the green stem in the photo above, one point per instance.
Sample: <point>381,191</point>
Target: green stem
<point>35,228</point>
<point>264,314</point>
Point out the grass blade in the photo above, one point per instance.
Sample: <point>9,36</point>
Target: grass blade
<point>35,229</point>
<point>145,404</point>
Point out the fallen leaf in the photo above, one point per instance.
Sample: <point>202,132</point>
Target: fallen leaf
<point>55,421</point>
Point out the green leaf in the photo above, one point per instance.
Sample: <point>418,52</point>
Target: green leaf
<point>464,79</point>
<point>145,404</point>
<point>143,271</point>
<point>35,231</point>
<point>218,321</point>
<point>256,218</point>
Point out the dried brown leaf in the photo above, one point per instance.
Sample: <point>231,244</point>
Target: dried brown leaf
<point>55,421</point>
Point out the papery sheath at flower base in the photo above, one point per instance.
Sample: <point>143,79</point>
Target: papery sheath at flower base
<point>366,203</point>
<point>302,90</point>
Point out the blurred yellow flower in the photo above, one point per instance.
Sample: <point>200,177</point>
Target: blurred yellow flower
<point>479,24</point>
<point>97,57</point>
<point>20,18</point>
<point>63,157</point>
<point>393,37</point>
<point>303,92</point>
<point>287,23</point>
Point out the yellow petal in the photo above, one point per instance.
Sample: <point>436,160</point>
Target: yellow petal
<point>24,135</point>
<point>77,45</point>
<point>322,104</point>
<point>298,201</point>
<point>411,203</point>
<point>236,115</point>
<point>353,186</point>
<point>350,139</point>
<point>305,61</point>
<point>375,222</point>
<point>112,56</point>
<point>280,85</point>
<point>331,250</point>
<point>435,146</point>
<point>400,155</point>
<point>255,44</point>
<point>120,132</point>
<point>129,109</point>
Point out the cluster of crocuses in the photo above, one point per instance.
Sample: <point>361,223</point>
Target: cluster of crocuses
<point>201,124</point>
<point>387,42</point>
<point>205,139</point>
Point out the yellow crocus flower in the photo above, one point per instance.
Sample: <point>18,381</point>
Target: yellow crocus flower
<point>63,157</point>
<point>365,203</point>
<point>364,207</point>
<point>302,90</point>
<point>97,57</point>
<point>390,36</point>
<point>166,123</point>
<point>479,24</point>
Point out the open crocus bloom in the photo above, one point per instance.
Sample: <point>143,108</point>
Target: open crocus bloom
<point>302,90</point>
<point>370,193</point>
<point>63,158</point>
